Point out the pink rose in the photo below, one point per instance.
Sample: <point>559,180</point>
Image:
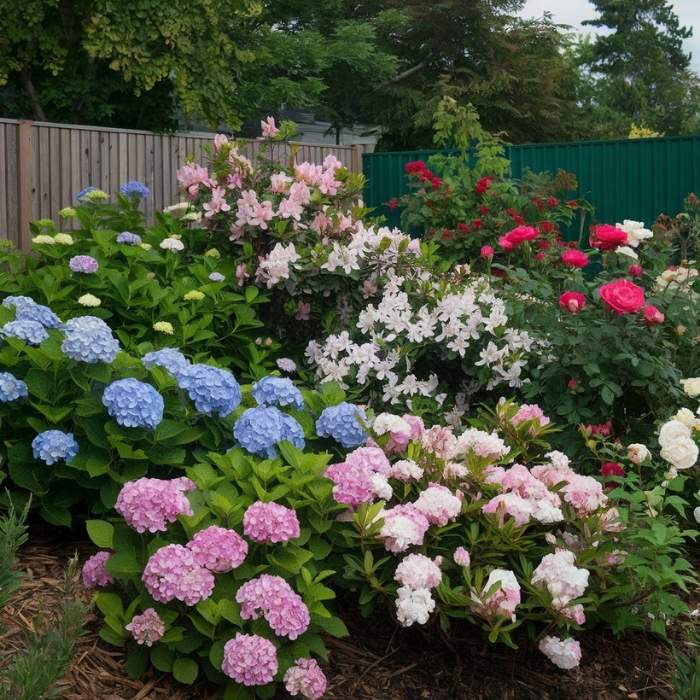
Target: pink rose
<point>607,237</point>
<point>572,301</point>
<point>521,234</point>
<point>635,270</point>
<point>652,316</point>
<point>574,258</point>
<point>622,296</point>
<point>486,251</point>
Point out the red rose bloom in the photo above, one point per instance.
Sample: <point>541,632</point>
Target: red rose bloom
<point>477,224</point>
<point>652,316</point>
<point>486,251</point>
<point>574,258</point>
<point>436,182</point>
<point>415,167</point>
<point>521,234</point>
<point>464,228</point>
<point>572,204</point>
<point>447,234</point>
<point>393,203</point>
<point>484,210</point>
<point>572,383</point>
<point>483,184</point>
<point>544,244</point>
<point>635,270</point>
<point>622,296</point>
<point>552,202</point>
<point>505,243</point>
<point>547,226</point>
<point>572,302</point>
<point>538,203</point>
<point>539,257</point>
<point>607,237</point>
<point>612,469</point>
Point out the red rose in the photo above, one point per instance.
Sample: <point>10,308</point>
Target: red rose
<point>477,224</point>
<point>486,251</point>
<point>483,184</point>
<point>505,243</point>
<point>520,234</point>
<point>574,258</point>
<point>544,244</point>
<point>572,383</point>
<point>622,296</point>
<point>572,301</point>
<point>538,203</point>
<point>607,237</point>
<point>539,257</point>
<point>552,202</point>
<point>464,228</point>
<point>652,316</point>
<point>547,226</point>
<point>635,270</point>
<point>415,167</point>
<point>447,234</point>
<point>393,203</point>
<point>612,469</point>
<point>436,182</point>
<point>484,210</point>
<point>572,204</point>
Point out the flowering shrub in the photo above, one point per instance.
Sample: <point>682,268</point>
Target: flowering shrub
<point>157,286</point>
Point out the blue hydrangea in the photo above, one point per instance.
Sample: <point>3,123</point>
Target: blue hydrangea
<point>54,445</point>
<point>216,277</point>
<point>170,359</point>
<point>26,309</point>
<point>214,391</point>
<point>134,188</point>
<point>259,429</point>
<point>31,332</point>
<point>133,404</point>
<point>277,391</point>
<point>129,238</point>
<point>12,388</point>
<point>89,339</point>
<point>341,423</point>
<point>86,190</point>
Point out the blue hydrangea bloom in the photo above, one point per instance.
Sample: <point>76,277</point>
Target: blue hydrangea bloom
<point>277,391</point>
<point>54,445</point>
<point>133,404</point>
<point>31,332</point>
<point>170,359</point>
<point>134,188</point>
<point>26,309</point>
<point>259,429</point>
<point>340,423</point>
<point>129,238</point>
<point>216,277</point>
<point>11,388</point>
<point>89,339</point>
<point>81,195</point>
<point>213,390</point>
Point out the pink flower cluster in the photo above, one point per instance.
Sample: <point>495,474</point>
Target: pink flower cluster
<point>305,678</point>
<point>270,522</point>
<point>146,628</point>
<point>482,444</point>
<point>530,412</point>
<point>439,441</point>
<point>361,478</point>
<point>438,504</point>
<point>418,571</point>
<point>564,653</point>
<point>461,557</point>
<point>564,581</point>
<point>218,549</point>
<point>95,572</point>
<point>283,609</point>
<point>151,504</point>
<point>404,526</point>
<point>172,573</point>
<point>504,601</point>
<point>191,176</point>
<point>398,440</point>
<point>250,660</point>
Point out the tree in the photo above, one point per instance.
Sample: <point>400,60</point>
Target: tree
<point>640,72</point>
<point>99,60</point>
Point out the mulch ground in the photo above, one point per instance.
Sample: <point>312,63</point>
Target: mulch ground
<point>377,662</point>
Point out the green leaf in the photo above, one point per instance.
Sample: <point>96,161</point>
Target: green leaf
<point>137,661</point>
<point>109,604</point>
<point>124,563</point>
<point>333,625</point>
<point>100,532</point>
<point>162,658</point>
<point>55,515</point>
<point>39,384</point>
<point>185,670</point>
<point>237,692</point>
<point>290,558</point>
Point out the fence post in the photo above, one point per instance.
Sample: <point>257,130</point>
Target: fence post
<point>25,160</point>
<point>356,158</point>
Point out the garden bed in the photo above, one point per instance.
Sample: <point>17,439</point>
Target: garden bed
<point>376,661</point>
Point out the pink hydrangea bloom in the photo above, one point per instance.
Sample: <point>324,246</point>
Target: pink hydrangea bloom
<point>172,573</point>
<point>398,441</point>
<point>218,549</point>
<point>575,613</point>
<point>418,571</point>
<point>564,581</point>
<point>150,504</point>
<point>146,628</point>
<point>438,504</point>
<point>270,522</point>
<point>482,444</point>
<point>95,572</point>
<point>504,601</point>
<point>404,526</point>
<point>283,609</point>
<point>372,458</point>
<point>250,660</point>
<point>440,441</point>
<point>357,481</point>
<point>406,470</point>
<point>585,494</point>
<point>566,653</point>
<point>461,557</point>
<point>519,508</point>
<point>305,678</point>
<point>530,412</point>
<point>545,504</point>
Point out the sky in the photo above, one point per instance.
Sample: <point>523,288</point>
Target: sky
<point>573,12</point>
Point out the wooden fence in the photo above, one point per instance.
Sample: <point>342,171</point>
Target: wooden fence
<point>43,166</point>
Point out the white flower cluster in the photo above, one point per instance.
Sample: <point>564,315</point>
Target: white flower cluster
<point>675,278</point>
<point>276,266</point>
<point>469,320</point>
<point>677,446</point>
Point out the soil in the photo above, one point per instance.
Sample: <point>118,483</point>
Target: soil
<point>376,662</point>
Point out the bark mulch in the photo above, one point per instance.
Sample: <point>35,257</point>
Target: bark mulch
<point>377,662</point>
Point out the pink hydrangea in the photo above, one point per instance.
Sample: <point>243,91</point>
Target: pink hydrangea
<point>150,504</point>
<point>172,573</point>
<point>575,613</point>
<point>406,470</point>
<point>461,557</point>
<point>418,571</point>
<point>95,570</point>
<point>504,601</point>
<point>520,509</point>
<point>146,628</point>
<point>218,549</point>
<point>372,458</point>
<point>398,441</point>
<point>585,494</point>
<point>438,504</point>
<point>270,522</point>
<point>439,441</point>
<point>545,504</point>
<point>283,609</point>
<point>566,653</point>
<point>250,660</point>
<point>404,526</point>
<point>564,581</point>
<point>305,678</point>
<point>357,483</point>
<point>482,444</point>
<point>530,412</point>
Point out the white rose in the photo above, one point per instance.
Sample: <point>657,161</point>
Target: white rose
<point>637,452</point>
<point>626,250</point>
<point>672,431</point>
<point>687,417</point>
<point>682,454</point>
<point>691,386</point>
<point>696,514</point>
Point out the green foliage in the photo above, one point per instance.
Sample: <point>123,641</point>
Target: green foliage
<point>686,680</point>
<point>13,534</point>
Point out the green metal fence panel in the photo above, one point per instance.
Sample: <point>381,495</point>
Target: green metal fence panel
<point>624,179</point>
